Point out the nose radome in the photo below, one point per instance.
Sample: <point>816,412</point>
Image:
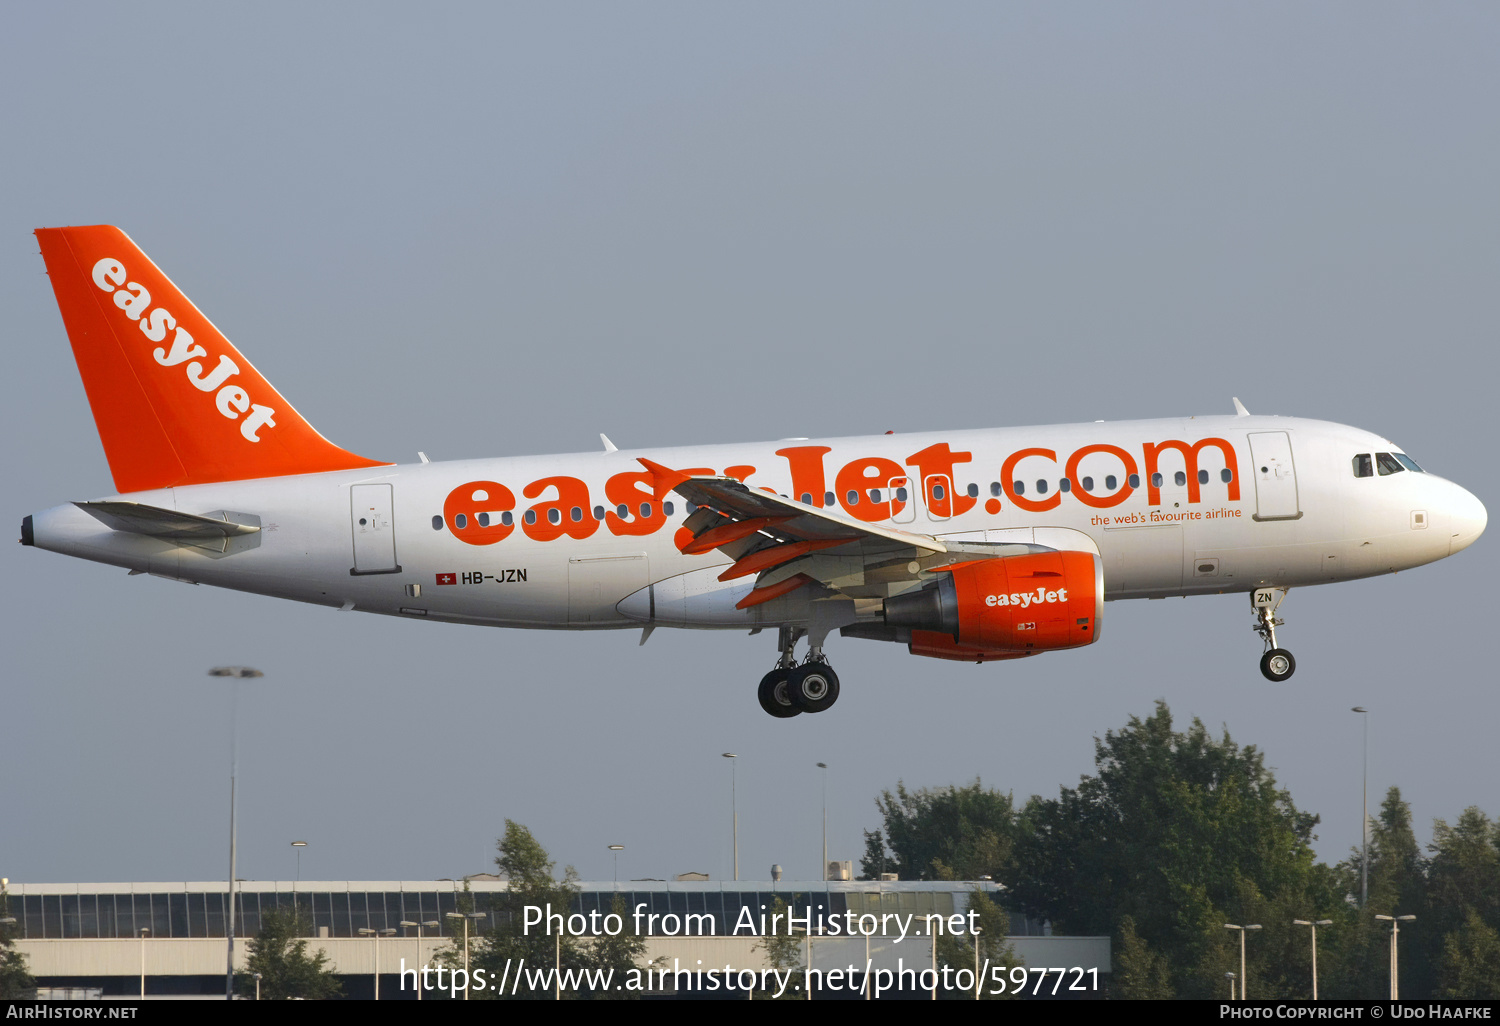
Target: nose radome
<point>1467,518</point>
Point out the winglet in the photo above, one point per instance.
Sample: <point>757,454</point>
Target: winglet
<point>1239,408</point>
<point>608,445</point>
<point>663,479</point>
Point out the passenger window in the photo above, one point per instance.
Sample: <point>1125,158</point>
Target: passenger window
<point>939,492</point>
<point>554,516</point>
<point>1408,463</point>
<point>1203,477</point>
<point>874,494</point>
<point>577,514</point>
<point>828,499</point>
<point>1135,480</point>
<point>437,523</point>
<point>1180,478</point>
<point>901,494</point>
<point>1065,485</point>
<point>1088,484</point>
<point>852,498</point>
<point>598,512</point>
<point>995,489</point>
<point>530,517</point>
<point>1020,487</point>
<point>805,498</point>
<point>973,491</point>
<point>484,519</point>
<point>666,508</point>
<point>1110,481</point>
<point>1155,480</point>
<point>507,519</point>
<point>622,511</point>
<point>1226,475</point>
<point>1362,466</point>
<point>1041,487</point>
<point>460,521</point>
<point>645,511</point>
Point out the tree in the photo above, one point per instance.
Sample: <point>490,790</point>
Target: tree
<point>957,951</point>
<point>16,981</point>
<point>1140,972</point>
<point>949,833</point>
<point>529,869</point>
<point>1179,833</point>
<point>617,955</point>
<point>783,948</point>
<point>1470,966</point>
<point>279,953</point>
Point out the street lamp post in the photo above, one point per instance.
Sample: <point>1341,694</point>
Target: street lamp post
<point>615,849</point>
<point>299,845</point>
<point>1364,815</point>
<point>465,916</point>
<point>735,810</point>
<point>1395,922</point>
<point>1314,924</point>
<point>1244,980</point>
<point>257,986</point>
<point>237,674</point>
<point>1230,978</point>
<point>824,767</point>
<point>375,936</point>
<point>406,923</point>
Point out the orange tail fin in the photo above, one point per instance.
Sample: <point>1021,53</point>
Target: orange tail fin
<point>174,402</point>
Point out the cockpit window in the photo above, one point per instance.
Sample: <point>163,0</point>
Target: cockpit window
<point>1386,464</point>
<point>1362,466</point>
<point>1408,463</point>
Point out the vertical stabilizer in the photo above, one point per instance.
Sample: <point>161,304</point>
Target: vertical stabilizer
<point>174,401</point>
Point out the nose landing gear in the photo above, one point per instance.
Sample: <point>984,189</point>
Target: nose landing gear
<point>1277,664</point>
<point>790,690</point>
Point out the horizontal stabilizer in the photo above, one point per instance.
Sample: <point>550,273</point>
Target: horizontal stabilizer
<point>213,531</point>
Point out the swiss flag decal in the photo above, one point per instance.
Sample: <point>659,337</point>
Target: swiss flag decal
<point>447,578</point>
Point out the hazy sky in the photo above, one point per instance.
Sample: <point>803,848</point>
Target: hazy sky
<point>483,230</point>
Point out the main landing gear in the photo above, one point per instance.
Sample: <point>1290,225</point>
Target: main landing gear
<point>1277,664</point>
<point>790,690</point>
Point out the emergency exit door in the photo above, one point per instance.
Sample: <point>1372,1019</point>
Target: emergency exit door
<point>374,530</point>
<point>1275,476</point>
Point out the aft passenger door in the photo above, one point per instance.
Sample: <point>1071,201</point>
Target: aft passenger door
<point>1275,476</point>
<point>374,529</point>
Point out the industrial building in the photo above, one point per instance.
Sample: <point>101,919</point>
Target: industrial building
<point>118,939</point>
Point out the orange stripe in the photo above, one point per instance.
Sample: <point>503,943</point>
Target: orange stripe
<point>764,559</point>
<point>726,533</point>
<point>760,595</point>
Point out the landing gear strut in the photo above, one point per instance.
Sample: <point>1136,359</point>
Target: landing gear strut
<point>792,689</point>
<point>1277,664</point>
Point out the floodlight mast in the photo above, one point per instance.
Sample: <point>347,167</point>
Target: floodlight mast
<point>237,674</point>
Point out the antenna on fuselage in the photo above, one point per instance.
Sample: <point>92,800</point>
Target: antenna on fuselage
<point>1239,408</point>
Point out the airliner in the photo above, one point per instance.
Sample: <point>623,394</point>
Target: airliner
<point>976,545</point>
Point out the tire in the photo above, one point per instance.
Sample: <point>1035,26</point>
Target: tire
<point>1278,665</point>
<point>813,687</point>
<point>774,697</point>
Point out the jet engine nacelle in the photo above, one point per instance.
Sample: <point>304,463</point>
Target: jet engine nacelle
<point>1004,607</point>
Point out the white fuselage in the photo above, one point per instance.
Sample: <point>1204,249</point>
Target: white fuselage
<point>1301,516</point>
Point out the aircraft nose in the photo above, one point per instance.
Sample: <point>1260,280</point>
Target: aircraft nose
<point>1467,520</point>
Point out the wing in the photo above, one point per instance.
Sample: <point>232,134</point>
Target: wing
<point>791,545</point>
